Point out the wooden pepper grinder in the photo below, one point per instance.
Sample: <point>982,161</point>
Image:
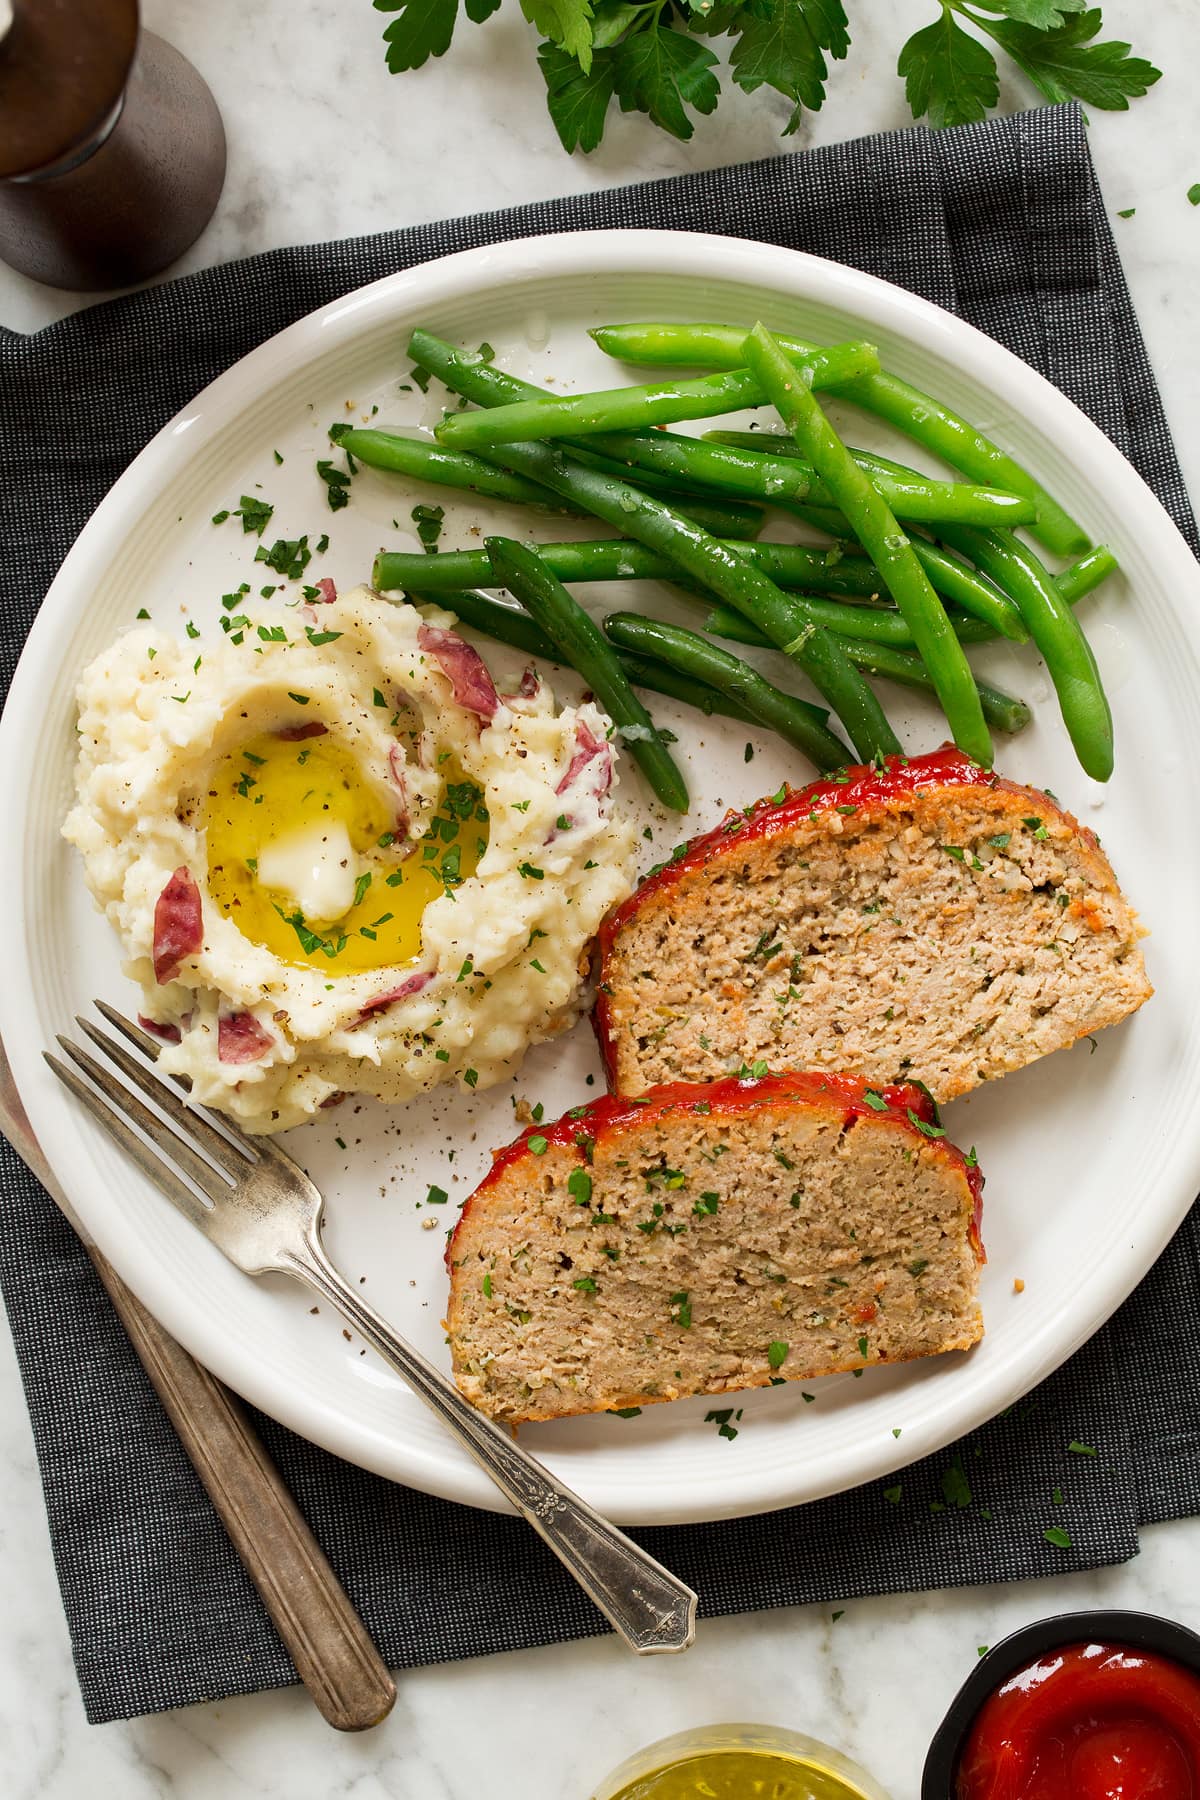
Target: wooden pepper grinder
<point>112,151</point>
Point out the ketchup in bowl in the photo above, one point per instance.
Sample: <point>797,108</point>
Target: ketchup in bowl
<point>1087,1721</point>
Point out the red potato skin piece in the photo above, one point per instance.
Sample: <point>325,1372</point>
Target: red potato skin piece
<point>296,734</point>
<point>178,925</point>
<point>729,1098</point>
<point>241,1039</point>
<point>864,786</point>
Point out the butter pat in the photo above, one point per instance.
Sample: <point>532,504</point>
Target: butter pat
<point>316,866</point>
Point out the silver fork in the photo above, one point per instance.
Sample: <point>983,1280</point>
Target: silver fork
<point>264,1213</point>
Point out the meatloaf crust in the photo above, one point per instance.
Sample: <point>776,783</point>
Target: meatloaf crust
<point>710,1238</point>
<point>925,918</point>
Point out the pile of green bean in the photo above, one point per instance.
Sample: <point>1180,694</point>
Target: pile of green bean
<point>914,568</point>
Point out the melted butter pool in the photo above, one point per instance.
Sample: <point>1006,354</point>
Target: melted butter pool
<point>303,857</point>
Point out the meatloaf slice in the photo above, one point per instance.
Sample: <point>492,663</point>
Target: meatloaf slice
<point>926,918</point>
<point>708,1238</point>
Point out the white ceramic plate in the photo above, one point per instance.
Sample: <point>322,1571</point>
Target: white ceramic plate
<point>1092,1157</point>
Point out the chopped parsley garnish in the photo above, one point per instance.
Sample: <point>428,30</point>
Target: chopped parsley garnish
<point>955,1486</point>
<point>436,1197</point>
<point>337,484</point>
<point>579,1186</point>
<point>585,1284</point>
<point>777,1354</point>
<point>253,513</point>
<point>875,1101</point>
<point>287,556</point>
<point>1058,1537</point>
<point>681,1310</point>
<point>706,1205</point>
<point>528,871</point>
<point>892,1494</point>
<point>310,941</point>
<point>428,521</point>
<point>470,1076</point>
<point>1078,1449</point>
<point>486,1285</point>
<point>926,1130</point>
<point>721,1420</point>
<point>625,1412</point>
<point>538,1145</point>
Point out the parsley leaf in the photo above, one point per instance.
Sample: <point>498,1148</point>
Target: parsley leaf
<point>948,74</point>
<point>781,46</point>
<point>1064,61</point>
<point>422,28</point>
<point>662,73</point>
<point>1043,15</point>
<point>337,484</point>
<point>577,102</point>
<point>567,23</point>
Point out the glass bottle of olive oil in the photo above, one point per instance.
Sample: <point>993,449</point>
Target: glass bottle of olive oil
<point>739,1762</point>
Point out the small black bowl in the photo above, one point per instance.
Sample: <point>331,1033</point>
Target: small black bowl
<point>1136,1631</point>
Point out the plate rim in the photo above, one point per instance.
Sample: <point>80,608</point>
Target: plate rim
<point>796,276</point>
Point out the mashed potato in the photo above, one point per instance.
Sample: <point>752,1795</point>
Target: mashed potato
<point>338,860</point>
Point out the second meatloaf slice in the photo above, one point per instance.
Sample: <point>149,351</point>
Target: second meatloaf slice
<point>712,1238</point>
<point>927,919</point>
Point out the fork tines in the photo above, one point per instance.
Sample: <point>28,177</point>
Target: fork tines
<point>184,1142</point>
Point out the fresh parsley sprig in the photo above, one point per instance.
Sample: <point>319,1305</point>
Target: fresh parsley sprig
<point>646,55</point>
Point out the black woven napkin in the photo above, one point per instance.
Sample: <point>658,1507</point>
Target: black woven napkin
<point>1002,223</point>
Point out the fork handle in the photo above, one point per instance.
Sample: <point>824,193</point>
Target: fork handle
<point>328,1642</point>
<point>648,1606</point>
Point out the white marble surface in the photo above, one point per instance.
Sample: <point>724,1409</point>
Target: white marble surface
<point>324,143</point>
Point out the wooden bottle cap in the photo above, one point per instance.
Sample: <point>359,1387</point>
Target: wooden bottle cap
<point>63,69</point>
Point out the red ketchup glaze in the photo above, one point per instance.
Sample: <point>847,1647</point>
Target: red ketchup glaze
<point>1087,1722</point>
<point>864,786</point>
<point>591,1124</point>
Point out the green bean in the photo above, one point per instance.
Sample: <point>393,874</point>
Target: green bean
<point>916,414</point>
<point>507,625</point>
<point>771,479</point>
<point>884,626</point>
<point>489,386</point>
<point>1086,573</point>
<point>694,656</point>
<point>1003,711</point>
<point>1056,631</point>
<point>892,661</point>
<point>875,526</point>
<point>618,559</point>
<point>423,460</point>
<point>692,550</point>
<point>633,408</point>
<point>869,624</point>
<point>657,678</point>
<point>781,479</point>
<point>725,573</point>
<point>585,648</point>
<point>718,513</point>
